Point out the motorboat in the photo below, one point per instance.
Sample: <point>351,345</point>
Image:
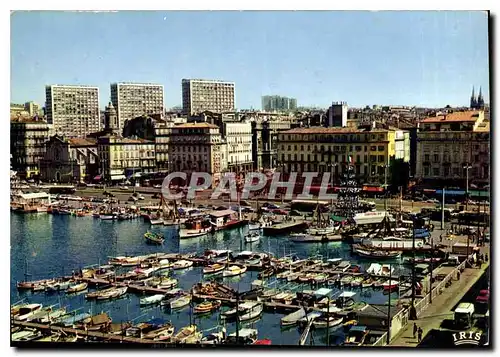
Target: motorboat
<point>25,335</point>
<point>234,270</point>
<point>356,336</point>
<point>252,310</point>
<point>214,338</point>
<point>325,321</point>
<point>244,336</point>
<point>254,226</point>
<point>27,311</point>
<point>214,269</point>
<point>375,254</point>
<point>390,284</point>
<point>180,302</point>
<point>162,333</point>
<point>284,298</point>
<point>252,237</point>
<point>188,334</point>
<point>195,228</point>
<point>268,294</point>
<point>113,293</point>
<point>75,288</point>
<point>155,238</point>
<point>293,318</point>
<point>52,315</point>
<point>182,264</point>
<point>206,307</point>
<point>167,283</point>
<point>151,300</point>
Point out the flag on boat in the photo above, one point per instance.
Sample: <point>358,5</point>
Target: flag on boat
<point>350,159</point>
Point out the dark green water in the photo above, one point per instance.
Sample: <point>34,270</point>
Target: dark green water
<point>55,245</point>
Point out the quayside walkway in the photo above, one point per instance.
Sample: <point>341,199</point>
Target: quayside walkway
<point>440,309</point>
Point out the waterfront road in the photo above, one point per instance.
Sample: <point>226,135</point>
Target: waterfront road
<point>440,309</point>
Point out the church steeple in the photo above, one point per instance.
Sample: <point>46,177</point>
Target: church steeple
<point>110,118</point>
<point>480,100</point>
<point>473,101</point>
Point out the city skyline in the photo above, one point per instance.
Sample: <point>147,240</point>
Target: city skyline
<point>440,54</point>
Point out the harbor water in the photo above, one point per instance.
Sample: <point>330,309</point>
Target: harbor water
<point>46,246</point>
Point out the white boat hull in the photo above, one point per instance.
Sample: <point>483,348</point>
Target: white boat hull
<point>192,233</point>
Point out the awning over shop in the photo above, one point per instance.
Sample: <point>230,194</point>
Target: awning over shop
<point>118,177</point>
<point>428,190</point>
<point>373,189</point>
<point>479,193</point>
<point>451,192</point>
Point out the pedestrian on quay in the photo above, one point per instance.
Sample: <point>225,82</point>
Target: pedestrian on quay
<point>486,257</point>
<point>440,238</point>
<point>420,332</point>
<point>458,275</point>
<point>415,329</point>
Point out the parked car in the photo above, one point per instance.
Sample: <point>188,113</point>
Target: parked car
<point>133,199</point>
<point>141,197</point>
<point>124,188</point>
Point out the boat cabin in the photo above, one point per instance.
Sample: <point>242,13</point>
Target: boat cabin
<point>346,299</point>
<point>343,265</point>
<point>356,335</point>
<point>246,336</point>
<point>222,217</point>
<point>422,269</point>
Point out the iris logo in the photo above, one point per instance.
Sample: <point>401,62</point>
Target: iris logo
<point>467,338</point>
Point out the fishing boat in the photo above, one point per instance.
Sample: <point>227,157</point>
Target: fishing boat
<point>284,298</point>
<point>266,273</point>
<point>313,315</point>
<point>320,278</point>
<point>325,321</point>
<point>167,283</point>
<point>27,311</point>
<point>245,336</point>
<point>195,228</point>
<point>75,288</point>
<point>268,294</point>
<point>35,285</point>
<point>234,270</point>
<point>188,334</point>
<point>155,238</point>
<point>151,300</point>
<point>367,282</point>
<point>25,335</point>
<point>390,284</point>
<point>206,307</point>
<point>293,276</point>
<point>182,264</point>
<point>375,254</point>
<point>357,281</point>
<point>346,299</point>
<point>52,315</point>
<point>104,217</point>
<point>306,277</point>
<point>163,333</point>
<point>180,302</point>
<point>293,318</point>
<point>252,237</point>
<point>72,318</point>
<point>254,226</point>
<point>214,269</point>
<point>214,338</point>
<point>252,310</point>
<point>218,256</point>
<point>225,219</point>
<point>356,336</point>
<point>346,280</point>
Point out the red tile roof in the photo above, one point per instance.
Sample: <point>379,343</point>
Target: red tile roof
<point>82,142</point>
<point>331,130</point>
<point>471,115</point>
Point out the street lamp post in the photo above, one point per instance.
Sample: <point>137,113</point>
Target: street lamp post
<point>467,167</point>
<point>332,165</point>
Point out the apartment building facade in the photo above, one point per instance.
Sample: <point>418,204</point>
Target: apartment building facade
<point>197,147</point>
<point>73,110</point>
<point>132,100</point>
<point>238,139</point>
<point>319,149</point>
<point>27,145</point>
<point>199,95</point>
<point>448,143</point>
<point>278,103</point>
<point>121,158</point>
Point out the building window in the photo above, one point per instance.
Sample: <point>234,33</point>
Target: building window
<point>373,158</point>
<point>381,158</point>
<point>381,148</point>
<point>446,171</point>
<point>373,148</point>
<point>436,158</point>
<point>427,170</point>
<point>426,158</point>
<point>435,171</point>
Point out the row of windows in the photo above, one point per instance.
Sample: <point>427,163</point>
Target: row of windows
<point>455,171</point>
<point>343,137</point>
<point>335,148</point>
<point>335,158</point>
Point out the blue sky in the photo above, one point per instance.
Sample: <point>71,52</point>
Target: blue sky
<point>409,58</point>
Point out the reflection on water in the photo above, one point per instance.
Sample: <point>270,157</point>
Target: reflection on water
<point>56,245</point>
